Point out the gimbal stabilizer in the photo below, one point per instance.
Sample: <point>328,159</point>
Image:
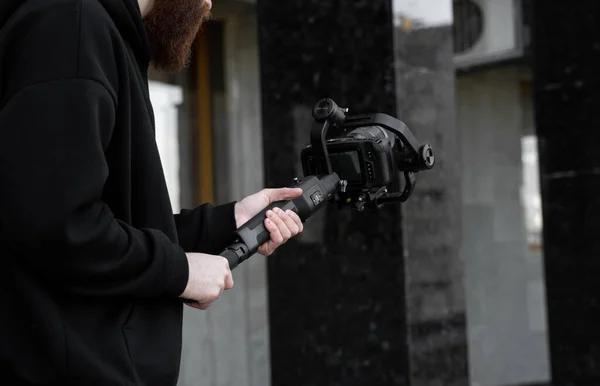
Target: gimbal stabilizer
<point>353,169</point>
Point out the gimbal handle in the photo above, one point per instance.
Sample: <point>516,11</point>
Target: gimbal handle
<point>316,191</point>
<point>249,237</point>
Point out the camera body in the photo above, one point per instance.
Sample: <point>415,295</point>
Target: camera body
<point>368,152</point>
<point>363,161</point>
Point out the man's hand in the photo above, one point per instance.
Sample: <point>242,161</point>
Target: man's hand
<point>209,276</point>
<point>281,225</point>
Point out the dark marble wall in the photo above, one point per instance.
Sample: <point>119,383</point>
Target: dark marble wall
<point>566,49</point>
<point>338,299</point>
<point>336,305</point>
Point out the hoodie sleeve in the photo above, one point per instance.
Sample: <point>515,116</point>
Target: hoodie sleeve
<point>53,170</point>
<point>206,229</point>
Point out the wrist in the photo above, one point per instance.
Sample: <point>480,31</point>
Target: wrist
<point>187,284</point>
<point>236,214</point>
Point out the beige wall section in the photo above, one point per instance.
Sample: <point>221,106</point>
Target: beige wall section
<point>229,343</point>
<point>503,276</point>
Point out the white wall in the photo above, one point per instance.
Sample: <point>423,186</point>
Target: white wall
<point>166,100</point>
<point>503,278</point>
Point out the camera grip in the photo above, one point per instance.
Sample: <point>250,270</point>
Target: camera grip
<point>253,233</point>
<point>250,236</point>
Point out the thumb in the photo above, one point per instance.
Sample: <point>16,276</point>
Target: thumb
<point>282,194</point>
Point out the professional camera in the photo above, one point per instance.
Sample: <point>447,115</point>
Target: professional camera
<point>368,152</point>
<point>355,168</point>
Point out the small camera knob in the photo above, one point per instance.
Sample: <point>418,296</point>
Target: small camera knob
<point>427,156</point>
<point>327,109</point>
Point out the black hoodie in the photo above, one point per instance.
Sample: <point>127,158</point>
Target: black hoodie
<point>92,259</point>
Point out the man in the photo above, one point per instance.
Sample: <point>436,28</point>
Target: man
<point>94,264</point>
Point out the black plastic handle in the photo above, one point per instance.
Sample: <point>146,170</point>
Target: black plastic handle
<point>254,231</point>
<point>250,236</point>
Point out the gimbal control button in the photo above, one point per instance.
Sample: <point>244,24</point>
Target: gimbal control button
<point>316,198</point>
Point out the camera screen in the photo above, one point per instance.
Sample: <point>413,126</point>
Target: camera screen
<point>347,166</point>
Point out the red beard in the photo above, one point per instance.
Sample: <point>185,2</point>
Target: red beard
<point>172,27</point>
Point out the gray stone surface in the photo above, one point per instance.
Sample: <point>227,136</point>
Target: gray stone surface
<point>504,280</point>
<point>432,218</point>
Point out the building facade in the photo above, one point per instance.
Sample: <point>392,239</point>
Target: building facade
<point>449,289</point>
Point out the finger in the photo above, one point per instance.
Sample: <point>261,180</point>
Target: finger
<point>282,194</point>
<point>267,248</point>
<point>283,229</point>
<point>296,220</point>
<point>221,290</point>
<point>289,223</point>
<point>228,281</point>
<point>274,224</point>
<point>199,306</point>
<point>228,276</point>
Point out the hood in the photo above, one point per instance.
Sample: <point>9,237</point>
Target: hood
<point>7,8</point>
<point>128,19</point>
<point>124,13</point>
